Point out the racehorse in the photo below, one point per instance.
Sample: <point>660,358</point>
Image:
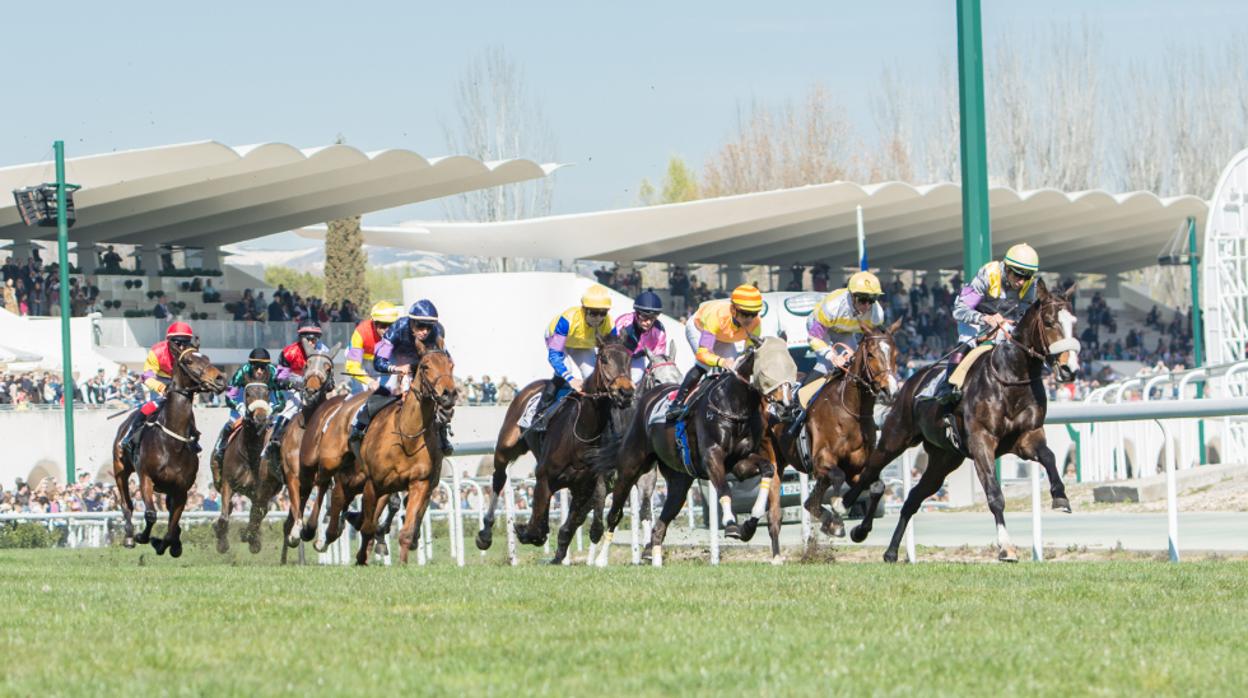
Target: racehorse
<point>661,369</point>
<point>840,424</point>
<point>1002,412</point>
<point>318,381</point>
<point>401,452</point>
<point>725,432</point>
<point>584,431</point>
<point>240,469</point>
<point>166,462</point>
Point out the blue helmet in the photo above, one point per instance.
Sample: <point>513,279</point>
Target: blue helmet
<point>423,310</point>
<point>648,302</point>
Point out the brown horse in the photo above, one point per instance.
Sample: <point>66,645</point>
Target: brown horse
<point>318,381</point>
<point>166,461</point>
<point>579,446</point>
<point>401,451</point>
<point>839,428</point>
<point>1002,412</point>
<point>239,468</point>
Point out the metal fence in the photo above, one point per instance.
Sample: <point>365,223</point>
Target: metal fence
<point>144,332</point>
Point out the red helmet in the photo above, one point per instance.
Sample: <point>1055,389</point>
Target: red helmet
<point>179,329</point>
<point>309,328</point>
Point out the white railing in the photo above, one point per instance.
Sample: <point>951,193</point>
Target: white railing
<point>144,332</point>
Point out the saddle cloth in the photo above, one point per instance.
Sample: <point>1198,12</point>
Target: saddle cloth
<point>530,411</point>
<point>658,413</point>
<point>959,373</point>
<point>807,392</point>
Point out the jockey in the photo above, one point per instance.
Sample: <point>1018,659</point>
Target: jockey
<point>158,376</point>
<point>363,341</point>
<point>999,294</point>
<point>642,330</point>
<point>841,316</point>
<point>395,356</point>
<point>235,395</point>
<point>290,365</point>
<point>717,334</point>
<point>571,346</point>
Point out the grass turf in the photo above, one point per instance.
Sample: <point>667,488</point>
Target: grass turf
<point>99,622</point>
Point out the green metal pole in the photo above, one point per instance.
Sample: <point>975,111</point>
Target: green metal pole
<point>67,364</point>
<point>976,229</point>
<point>1198,325</point>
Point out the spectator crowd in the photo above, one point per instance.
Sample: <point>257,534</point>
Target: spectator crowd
<point>288,306</point>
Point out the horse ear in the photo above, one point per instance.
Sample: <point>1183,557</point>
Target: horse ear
<point>1042,289</point>
<point>334,352</point>
<point>671,348</point>
<point>649,354</point>
<point>440,344</point>
<point>892,329</point>
<point>1069,294</point>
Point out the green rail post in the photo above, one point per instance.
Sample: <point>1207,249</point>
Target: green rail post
<point>976,228</point>
<point>1198,326</point>
<point>67,364</point>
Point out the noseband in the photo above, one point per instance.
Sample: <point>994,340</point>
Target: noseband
<point>200,385</point>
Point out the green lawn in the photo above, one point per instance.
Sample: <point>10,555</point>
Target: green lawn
<point>98,623</point>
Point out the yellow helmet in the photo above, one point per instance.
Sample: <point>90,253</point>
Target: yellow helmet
<point>865,282</point>
<point>596,296</point>
<point>385,311</point>
<point>1023,257</point>
<point>748,298</point>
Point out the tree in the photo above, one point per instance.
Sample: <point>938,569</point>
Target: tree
<point>302,282</point>
<point>679,184</point>
<point>891,108</point>
<point>345,263</point>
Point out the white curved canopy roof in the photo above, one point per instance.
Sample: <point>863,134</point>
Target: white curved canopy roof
<point>208,193</point>
<point>907,227</point>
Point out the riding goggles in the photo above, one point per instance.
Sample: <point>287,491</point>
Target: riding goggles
<point>865,298</point>
<point>1023,274</point>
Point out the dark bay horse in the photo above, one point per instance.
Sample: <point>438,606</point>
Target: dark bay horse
<point>240,469</point>
<point>1002,412</point>
<point>318,382</point>
<point>661,369</point>
<point>840,424</point>
<point>725,430</point>
<point>165,460</point>
<point>401,450</point>
<point>583,431</point>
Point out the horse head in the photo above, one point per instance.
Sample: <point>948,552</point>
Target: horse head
<point>256,396</point>
<point>1048,329</point>
<point>662,368</point>
<point>435,378</point>
<point>612,372</point>
<point>318,374</point>
<point>875,362</point>
<point>194,372</point>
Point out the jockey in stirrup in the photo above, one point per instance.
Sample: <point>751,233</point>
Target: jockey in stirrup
<point>571,346</point>
<point>157,377</point>
<point>717,333</point>
<point>290,365</point>
<point>234,396</point>
<point>395,356</point>
<point>998,295</point>
<point>364,340</point>
<point>641,330</point>
<point>841,317</point>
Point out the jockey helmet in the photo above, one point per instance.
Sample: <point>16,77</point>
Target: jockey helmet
<point>1023,259</point>
<point>309,327</point>
<point>864,283</point>
<point>747,298</point>
<point>596,297</point>
<point>423,311</point>
<point>259,355</point>
<point>385,312</point>
<point>648,302</point>
<point>179,330</point>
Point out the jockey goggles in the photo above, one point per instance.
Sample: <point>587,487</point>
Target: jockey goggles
<point>647,314</point>
<point>595,312</point>
<point>865,298</point>
<point>1023,274</point>
<point>746,314</point>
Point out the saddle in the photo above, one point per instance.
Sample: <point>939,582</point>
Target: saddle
<point>959,373</point>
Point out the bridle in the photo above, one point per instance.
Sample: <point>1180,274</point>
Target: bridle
<point>325,373</point>
<point>864,376</point>
<point>200,385</point>
<point>422,389</point>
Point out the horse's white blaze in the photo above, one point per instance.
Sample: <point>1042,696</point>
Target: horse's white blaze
<point>892,385</point>
<point>1003,536</point>
<point>725,503</point>
<point>1069,358</point>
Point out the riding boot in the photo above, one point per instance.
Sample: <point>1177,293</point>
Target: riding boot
<point>218,451</point>
<point>379,399</point>
<point>128,443</point>
<point>543,405</point>
<point>678,409</point>
<point>947,393</point>
<point>275,438</point>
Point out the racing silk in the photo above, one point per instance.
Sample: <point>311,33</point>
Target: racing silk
<point>242,377</point>
<point>360,354</point>
<point>397,347</point>
<point>714,322</point>
<point>985,295</point>
<point>835,322</point>
<point>570,330</point>
<point>654,339</point>
<point>158,368</point>
<point>292,360</point>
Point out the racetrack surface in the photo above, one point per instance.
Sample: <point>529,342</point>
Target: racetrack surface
<point>100,622</point>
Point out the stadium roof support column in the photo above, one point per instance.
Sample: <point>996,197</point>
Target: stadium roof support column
<point>976,231</point>
<point>88,257</point>
<point>210,257</point>
<point>149,259</point>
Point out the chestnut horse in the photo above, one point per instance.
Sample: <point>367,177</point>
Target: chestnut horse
<point>240,469</point>
<point>318,381</point>
<point>401,452</point>
<point>1002,412</point>
<point>166,462</point>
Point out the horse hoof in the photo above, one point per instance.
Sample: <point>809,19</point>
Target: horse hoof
<point>254,544</point>
<point>128,542</point>
<point>890,555</point>
<point>838,530</point>
<point>307,533</point>
<point>777,561</point>
<point>484,539</point>
<point>596,529</point>
<point>858,534</point>
<point>223,545</point>
<point>1008,555</point>
<point>1061,504</point>
<point>159,546</point>
<point>748,529</point>
<point>380,548</point>
<point>143,538</point>
<point>320,546</point>
<point>292,541</point>
<point>731,530</point>
<point>175,549</point>
<point>556,561</point>
<point>647,554</point>
<point>354,518</point>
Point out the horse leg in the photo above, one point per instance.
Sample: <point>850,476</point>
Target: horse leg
<point>173,535</point>
<point>368,526</point>
<point>222,525</point>
<point>313,521</point>
<point>775,516</point>
<point>714,461</point>
<point>298,498</point>
<point>122,476</point>
<point>339,500</point>
<point>765,470</point>
<point>503,457</point>
<point>939,464</point>
<point>647,483</point>
<point>380,547</point>
<point>625,479</point>
<point>535,532</point>
<point>147,490</point>
<point>677,490</point>
<point>259,507</point>
<point>582,501</point>
<point>1034,447</point>
<point>896,436</point>
<point>860,532</point>
<point>417,492</point>
<point>599,501</point>
<point>983,450</point>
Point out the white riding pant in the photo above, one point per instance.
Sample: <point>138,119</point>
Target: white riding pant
<point>580,362</point>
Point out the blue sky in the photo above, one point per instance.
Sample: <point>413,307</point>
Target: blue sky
<point>624,85</point>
